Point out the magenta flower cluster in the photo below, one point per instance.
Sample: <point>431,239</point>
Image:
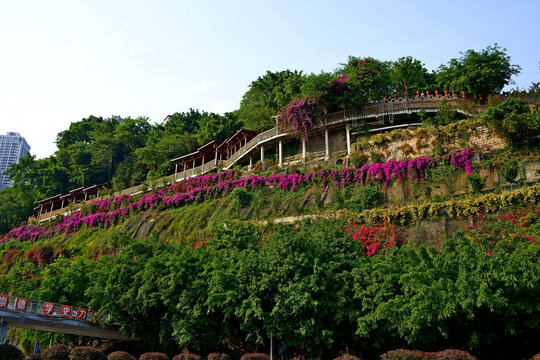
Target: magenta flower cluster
<point>108,211</point>
<point>297,116</point>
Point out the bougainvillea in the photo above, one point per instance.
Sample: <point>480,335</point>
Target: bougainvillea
<point>375,238</point>
<point>511,229</point>
<point>299,116</point>
<point>201,187</point>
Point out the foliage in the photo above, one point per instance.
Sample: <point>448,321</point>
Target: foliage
<point>409,75</point>
<point>187,356</point>
<point>153,356</point>
<point>403,354</point>
<point>10,352</point>
<point>453,354</point>
<point>476,182</point>
<point>86,353</point>
<point>255,356</point>
<point>266,96</point>
<point>218,356</point>
<point>120,355</point>
<point>484,72</point>
<point>509,170</point>
<point>347,357</point>
<point>299,116</point>
<point>366,78</point>
<point>513,119</point>
<point>376,238</point>
<point>56,352</point>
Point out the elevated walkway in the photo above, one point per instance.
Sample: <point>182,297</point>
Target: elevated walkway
<point>44,316</point>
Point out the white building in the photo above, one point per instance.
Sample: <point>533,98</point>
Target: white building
<point>12,147</point>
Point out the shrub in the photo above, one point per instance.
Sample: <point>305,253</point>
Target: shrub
<point>86,353</point>
<point>121,355</point>
<point>10,352</point>
<point>476,182</point>
<point>218,356</point>
<point>34,357</point>
<point>187,356</point>
<point>347,357</point>
<point>509,170</point>
<point>453,354</point>
<point>255,356</point>
<point>153,356</point>
<point>56,352</point>
<point>402,354</point>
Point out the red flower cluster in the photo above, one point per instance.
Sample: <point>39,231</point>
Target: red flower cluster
<point>376,238</point>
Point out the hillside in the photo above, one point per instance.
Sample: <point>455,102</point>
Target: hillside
<point>424,238</point>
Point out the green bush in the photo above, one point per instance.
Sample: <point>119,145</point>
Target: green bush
<point>241,196</point>
<point>86,353</point>
<point>476,182</point>
<point>509,170</point>
<point>365,197</point>
<point>56,352</point>
<point>10,352</point>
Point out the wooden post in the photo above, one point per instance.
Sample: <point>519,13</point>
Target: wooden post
<point>250,163</point>
<point>304,148</point>
<point>175,170</point>
<point>185,165</point>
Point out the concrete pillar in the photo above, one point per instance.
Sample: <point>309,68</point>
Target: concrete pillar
<point>304,148</point>
<point>280,152</point>
<point>348,135</point>
<point>3,332</point>
<point>250,163</point>
<point>262,158</point>
<point>326,145</point>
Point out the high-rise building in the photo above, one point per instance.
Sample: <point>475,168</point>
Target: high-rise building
<point>12,147</point>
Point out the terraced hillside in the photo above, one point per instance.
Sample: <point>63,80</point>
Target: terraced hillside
<point>424,238</point>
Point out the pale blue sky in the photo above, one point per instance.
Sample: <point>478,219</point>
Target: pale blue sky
<point>61,61</point>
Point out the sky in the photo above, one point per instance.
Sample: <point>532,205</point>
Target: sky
<point>62,61</point>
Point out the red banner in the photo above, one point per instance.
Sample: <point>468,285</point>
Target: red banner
<point>66,311</point>
<point>48,308</point>
<point>82,313</point>
<point>21,304</point>
<point>4,301</point>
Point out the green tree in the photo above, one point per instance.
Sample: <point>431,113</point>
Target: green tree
<point>484,72</point>
<point>409,75</point>
<point>368,78</point>
<point>266,96</point>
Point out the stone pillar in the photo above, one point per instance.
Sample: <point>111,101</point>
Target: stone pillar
<point>304,148</point>
<point>326,145</point>
<point>262,158</point>
<point>280,152</point>
<point>3,332</point>
<point>348,135</point>
<point>250,163</point>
